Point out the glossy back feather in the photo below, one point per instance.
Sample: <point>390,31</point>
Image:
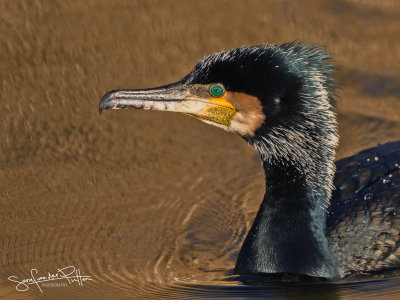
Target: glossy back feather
<point>363,226</point>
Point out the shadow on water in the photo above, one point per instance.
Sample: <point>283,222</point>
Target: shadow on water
<point>374,85</point>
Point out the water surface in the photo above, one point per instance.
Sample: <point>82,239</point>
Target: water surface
<point>150,204</point>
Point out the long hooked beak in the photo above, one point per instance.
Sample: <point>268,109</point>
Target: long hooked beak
<point>159,98</point>
<point>175,97</point>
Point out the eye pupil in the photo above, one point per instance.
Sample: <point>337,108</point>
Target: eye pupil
<point>216,90</point>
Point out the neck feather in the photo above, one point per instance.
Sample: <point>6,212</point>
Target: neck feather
<point>288,234</point>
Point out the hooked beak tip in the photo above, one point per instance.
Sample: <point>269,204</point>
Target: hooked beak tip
<point>106,101</point>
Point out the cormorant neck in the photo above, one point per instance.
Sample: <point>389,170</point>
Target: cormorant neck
<point>288,234</point>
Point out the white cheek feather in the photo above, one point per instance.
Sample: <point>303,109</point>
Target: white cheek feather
<point>237,124</point>
<point>245,123</point>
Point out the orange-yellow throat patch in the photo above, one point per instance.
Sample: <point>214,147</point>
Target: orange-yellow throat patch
<point>218,110</point>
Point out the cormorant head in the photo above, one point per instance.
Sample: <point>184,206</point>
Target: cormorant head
<point>264,93</point>
<point>279,99</point>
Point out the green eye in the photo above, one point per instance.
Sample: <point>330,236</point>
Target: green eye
<point>217,90</point>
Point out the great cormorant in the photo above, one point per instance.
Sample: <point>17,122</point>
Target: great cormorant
<point>313,221</point>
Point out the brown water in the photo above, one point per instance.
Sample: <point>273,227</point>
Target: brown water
<point>154,204</point>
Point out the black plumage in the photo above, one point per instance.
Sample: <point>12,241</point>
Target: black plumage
<point>363,226</point>
<point>280,99</point>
